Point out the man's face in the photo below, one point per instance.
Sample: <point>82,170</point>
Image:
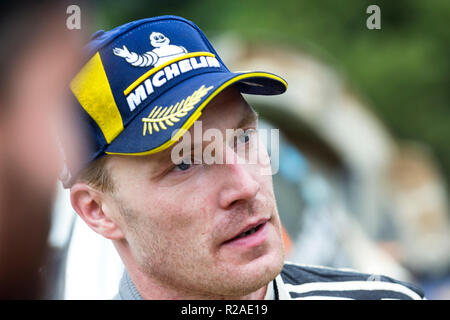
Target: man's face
<point>181,222</point>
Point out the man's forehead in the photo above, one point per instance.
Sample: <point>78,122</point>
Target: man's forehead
<point>228,108</point>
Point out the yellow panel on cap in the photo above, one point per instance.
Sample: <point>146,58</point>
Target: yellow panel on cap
<point>91,87</point>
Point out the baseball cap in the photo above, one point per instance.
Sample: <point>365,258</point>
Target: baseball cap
<point>146,82</point>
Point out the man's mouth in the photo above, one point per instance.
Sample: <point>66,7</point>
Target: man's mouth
<point>251,235</point>
<point>247,233</point>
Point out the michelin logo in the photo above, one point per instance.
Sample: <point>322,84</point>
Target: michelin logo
<point>163,51</point>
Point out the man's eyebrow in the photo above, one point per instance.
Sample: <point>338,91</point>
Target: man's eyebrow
<point>250,117</point>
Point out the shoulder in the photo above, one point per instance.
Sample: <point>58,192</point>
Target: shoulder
<point>303,281</point>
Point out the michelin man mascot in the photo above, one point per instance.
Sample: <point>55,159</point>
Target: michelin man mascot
<point>163,51</point>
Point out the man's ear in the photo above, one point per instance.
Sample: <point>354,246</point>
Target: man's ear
<point>95,209</point>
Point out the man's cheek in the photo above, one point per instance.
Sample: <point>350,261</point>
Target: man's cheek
<point>266,184</point>
<point>187,212</point>
<point>175,217</point>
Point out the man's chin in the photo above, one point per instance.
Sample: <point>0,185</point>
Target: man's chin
<point>255,274</point>
<point>251,275</point>
<point>269,263</point>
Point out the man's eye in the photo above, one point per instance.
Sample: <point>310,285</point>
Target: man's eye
<point>183,166</point>
<point>245,137</point>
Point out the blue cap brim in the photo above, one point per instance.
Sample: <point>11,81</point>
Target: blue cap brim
<point>151,130</point>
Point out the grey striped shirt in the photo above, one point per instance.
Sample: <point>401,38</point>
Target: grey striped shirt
<point>299,282</point>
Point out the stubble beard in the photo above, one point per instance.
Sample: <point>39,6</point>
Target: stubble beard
<point>161,261</point>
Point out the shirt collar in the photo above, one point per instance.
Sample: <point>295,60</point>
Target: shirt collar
<point>283,293</point>
<point>270,292</point>
<point>128,291</point>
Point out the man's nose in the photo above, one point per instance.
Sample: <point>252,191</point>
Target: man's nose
<point>239,184</point>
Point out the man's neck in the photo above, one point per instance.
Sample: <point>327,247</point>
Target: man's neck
<point>153,290</point>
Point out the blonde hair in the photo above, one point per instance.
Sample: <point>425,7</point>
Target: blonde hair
<point>96,175</point>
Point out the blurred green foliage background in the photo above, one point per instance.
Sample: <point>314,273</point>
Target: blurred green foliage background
<point>402,70</point>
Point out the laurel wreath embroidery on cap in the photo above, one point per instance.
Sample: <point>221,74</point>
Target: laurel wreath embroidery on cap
<point>161,117</point>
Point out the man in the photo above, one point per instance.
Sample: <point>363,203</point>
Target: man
<point>188,228</point>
